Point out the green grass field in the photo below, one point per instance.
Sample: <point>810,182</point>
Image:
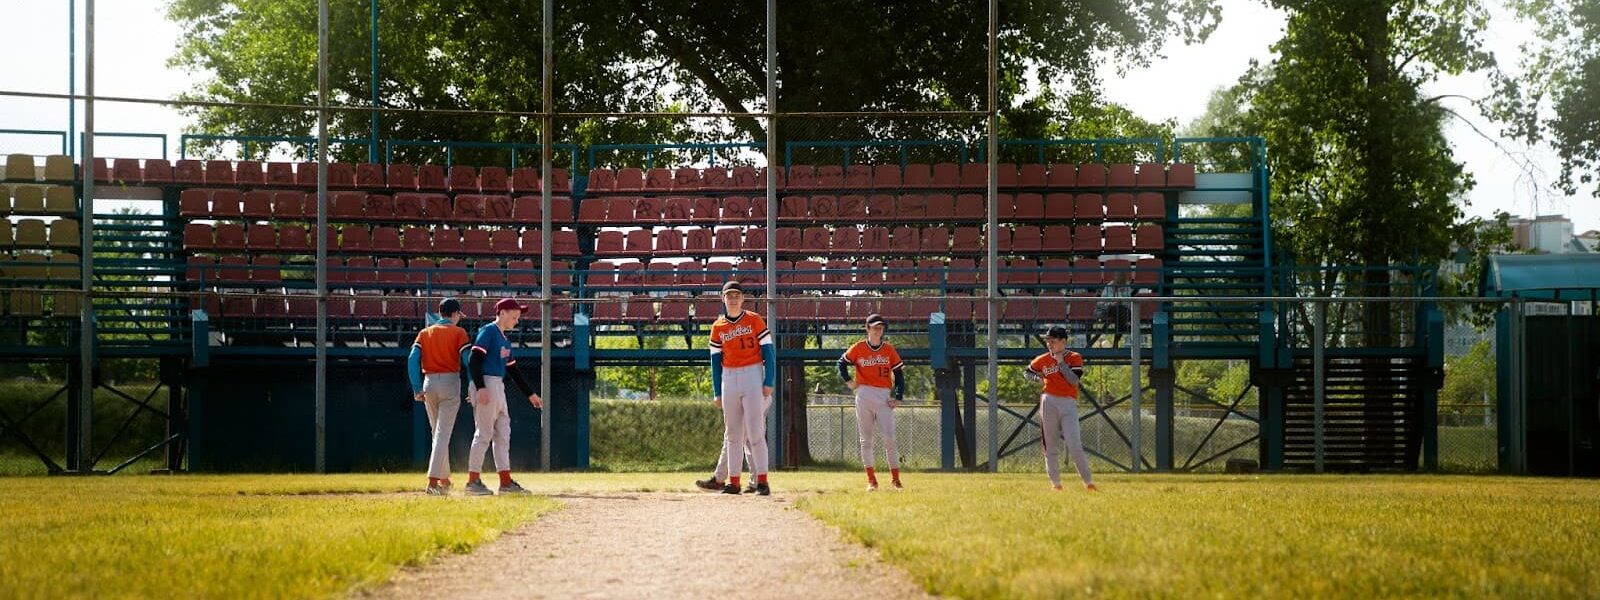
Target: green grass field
<point>963,535</point>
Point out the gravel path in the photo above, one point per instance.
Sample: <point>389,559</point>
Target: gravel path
<point>662,546</point>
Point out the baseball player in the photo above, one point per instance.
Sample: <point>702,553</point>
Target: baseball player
<point>743,365</point>
<point>877,367</point>
<point>1059,370</point>
<point>435,369</point>
<point>720,475</point>
<point>489,364</point>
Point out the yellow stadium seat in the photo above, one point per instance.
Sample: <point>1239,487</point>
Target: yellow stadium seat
<point>20,167</point>
<point>64,234</point>
<point>31,234</point>
<point>29,200</point>
<point>58,167</point>
<point>58,200</point>
<point>64,267</point>
<point>30,265</point>
<point>27,304</point>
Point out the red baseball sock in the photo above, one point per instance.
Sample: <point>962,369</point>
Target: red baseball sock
<point>872,475</point>
<point>505,478</point>
<point>762,478</point>
<point>472,476</point>
<point>895,474</point>
<point>733,480</point>
<point>433,481</point>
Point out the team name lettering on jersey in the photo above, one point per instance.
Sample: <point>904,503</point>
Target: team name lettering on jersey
<point>736,332</point>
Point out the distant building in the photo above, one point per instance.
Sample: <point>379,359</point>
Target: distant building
<point>1590,240</point>
<point>1547,234</point>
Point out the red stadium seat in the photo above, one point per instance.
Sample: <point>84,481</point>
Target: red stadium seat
<point>493,179</point>
<point>793,208</point>
<point>565,243</point>
<point>1008,176</point>
<point>790,239</point>
<point>1088,207</point>
<point>689,179</point>
<point>619,211</point>
<point>592,211</point>
<point>728,240</point>
<point>261,238</point>
<point>1086,238</point>
<point>846,239</point>
<point>717,272</point>
<point>858,177</point>
<point>1121,176</point>
<point>838,273</point>
<point>1150,206</point>
<point>698,242</point>
<point>392,271</point>
<point>1118,238</point>
<point>401,177</point>
<point>639,242</point>
<point>230,236</point>
<point>368,175</point>
<point>970,208</point>
<point>227,204</point>
<point>1086,272</point>
<point>916,176</point>
<point>127,170</point>
<point>525,180</point>
<point>940,208</point>
<point>293,238</point>
<point>1022,272</point>
<point>830,177</point>
<point>946,175</point>
<point>1058,206</point>
<point>647,211</point>
<point>1055,272</point>
<point>522,274</point>
<point>886,177</point>
<point>408,206</point>
<point>470,208</point>
<point>1091,175</point>
<point>233,269</point>
<point>912,207</point>
<point>882,207</point>
<point>669,242</point>
<point>1062,176</point>
<point>432,177</point>
<point>288,206</point>
<point>448,241</point>
<point>488,272</point>
<point>386,239</point>
<point>198,236</point>
<point>869,274</point>
<point>735,209</point>
<point>801,177</point>
<point>758,209</point>
<point>348,206</point>
<point>1051,308</point>
<point>905,240</point>
<point>630,274</point>
<point>850,209</point>
<point>194,203</point>
<point>822,208</point>
<point>630,179</point>
<point>960,272</point>
<point>453,273</point>
<point>875,241</point>
<point>189,171</point>
<point>1030,207</point>
<point>416,240</point>
<point>1025,239</point>
<point>1035,176</point>
<point>900,273</point>
<point>1149,238</point>
<point>935,240</point>
<point>658,180</point>
<point>1152,175</point>
<point>379,207</point>
<point>691,273</point>
<point>355,238</point>
<point>608,243</point>
<point>748,178</point>
<point>704,211</point>
<point>814,240</point>
<point>676,210</point>
<point>660,273</point>
<point>968,240</point>
<point>436,207</point>
<point>751,271</point>
<point>1111,267</point>
<point>602,180</point>
<point>1180,176</point>
<point>248,172</point>
<point>504,242</point>
<point>497,209</point>
<point>976,175</point>
<point>1119,207</point>
<point>157,170</point>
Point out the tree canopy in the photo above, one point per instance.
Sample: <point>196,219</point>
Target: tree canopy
<point>1556,99</point>
<point>669,56</point>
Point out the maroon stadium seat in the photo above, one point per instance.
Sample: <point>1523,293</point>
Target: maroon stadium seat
<point>1119,206</point>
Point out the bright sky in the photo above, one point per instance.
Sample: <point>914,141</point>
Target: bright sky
<point>134,41</point>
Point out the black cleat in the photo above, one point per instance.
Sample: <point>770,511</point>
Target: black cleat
<point>513,488</point>
<point>750,488</point>
<point>763,490</point>
<point>477,488</point>
<point>730,489</point>
<point>709,484</point>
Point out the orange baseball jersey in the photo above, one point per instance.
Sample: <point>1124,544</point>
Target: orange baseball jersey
<point>874,366</point>
<point>1049,369</point>
<point>441,346</point>
<point>739,339</point>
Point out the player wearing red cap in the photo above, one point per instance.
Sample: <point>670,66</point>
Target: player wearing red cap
<point>489,365</point>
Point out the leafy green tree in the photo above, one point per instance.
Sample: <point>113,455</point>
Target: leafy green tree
<point>1556,99</point>
<point>835,55</point>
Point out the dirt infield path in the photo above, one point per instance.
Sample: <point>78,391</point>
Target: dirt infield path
<point>661,545</point>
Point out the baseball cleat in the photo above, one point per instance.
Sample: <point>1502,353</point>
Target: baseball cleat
<point>872,486</point>
<point>763,489</point>
<point>513,488</point>
<point>709,484</point>
<point>730,489</point>
<point>896,485</point>
<point>477,488</point>
<point>1089,487</point>
<point>438,490</point>
<point>750,488</point>
<point>1056,487</point>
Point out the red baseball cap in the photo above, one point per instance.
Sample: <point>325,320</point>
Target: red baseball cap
<point>509,304</point>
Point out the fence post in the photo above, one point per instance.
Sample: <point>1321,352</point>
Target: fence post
<point>1319,383</point>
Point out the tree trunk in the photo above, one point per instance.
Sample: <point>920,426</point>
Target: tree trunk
<point>1378,160</point>
<point>796,437</point>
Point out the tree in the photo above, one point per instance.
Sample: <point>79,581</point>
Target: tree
<point>1362,173</point>
<point>838,55</point>
<point>1556,100</point>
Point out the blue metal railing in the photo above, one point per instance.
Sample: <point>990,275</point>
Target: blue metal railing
<point>650,150</point>
<point>161,137</point>
<point>245,140</point>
